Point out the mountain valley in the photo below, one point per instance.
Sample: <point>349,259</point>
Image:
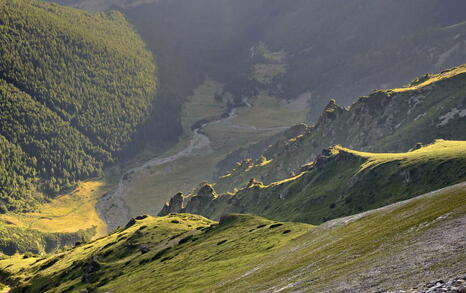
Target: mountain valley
<point>232,146</point>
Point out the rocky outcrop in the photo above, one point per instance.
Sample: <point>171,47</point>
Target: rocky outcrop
<point>197,203</point>
<point>190,204</point>
<point>207,191</point>
<point>254,183</point>
<point>175,205</point>
<point>383,121</point>
<point>453,285</point>
<point>298,129</point>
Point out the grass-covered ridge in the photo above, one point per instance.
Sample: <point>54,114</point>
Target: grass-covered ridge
<point>60,70</point>
<point>342,182</point>
<point>412,241</point>
<point>181,253</point>
<point>431,107</point>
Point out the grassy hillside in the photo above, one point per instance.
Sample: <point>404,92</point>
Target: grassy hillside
<point>431,107</point>
<point>60,70</point>
<point>342,182</point>
<point>67,213</point>
<point>187,252</point>
<point>393,248</point>
<point>413,242</point>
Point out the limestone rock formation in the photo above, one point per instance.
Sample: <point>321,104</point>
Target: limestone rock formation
<point>174,206</point>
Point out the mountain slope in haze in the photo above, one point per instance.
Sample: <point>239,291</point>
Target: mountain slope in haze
<point>297,46</point>
<point>315,49</point>
<point>61,69</point>
<point>339,183</point>
<point>412,242</point>
<point>431,107</point>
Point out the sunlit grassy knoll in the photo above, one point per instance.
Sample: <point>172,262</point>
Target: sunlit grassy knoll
<point>68,213</point>
<point>187,253</point>
<point>246,253</point>
<point>440,150</point>
<point>430,79</point>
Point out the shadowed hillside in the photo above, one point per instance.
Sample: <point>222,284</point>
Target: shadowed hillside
<point>431,107</point>
<point>338,183</point>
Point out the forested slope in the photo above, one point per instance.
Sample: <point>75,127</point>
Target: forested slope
<point>74,86</point>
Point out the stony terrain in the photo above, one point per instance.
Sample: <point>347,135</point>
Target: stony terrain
<point>453,285</point>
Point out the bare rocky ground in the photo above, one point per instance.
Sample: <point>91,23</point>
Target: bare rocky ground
<point>453,285</point>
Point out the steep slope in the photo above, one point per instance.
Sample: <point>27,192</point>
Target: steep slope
<point>412,242</point>
<point>431,107</point>
<point>394,248</point>
<point>186,252</point>
<point>340,182</point>
<point>60,70</point>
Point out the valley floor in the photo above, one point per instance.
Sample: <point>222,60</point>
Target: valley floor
<point>145,188</point>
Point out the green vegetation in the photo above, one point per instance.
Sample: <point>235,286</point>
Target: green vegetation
<point>182,253</point>
<point>244,253</point>
<point>16,178</point>
<point>384,121</point>
<point>342,182</point>
<point>15,239</point>
<point>61,70</point>
<point>67,213</point>
<point>389,249</point>
<point>151,186</point>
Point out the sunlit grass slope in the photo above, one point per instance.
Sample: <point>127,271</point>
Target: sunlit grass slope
<point>414,241</point>
<point>342,182</point>
<point>429,79</point>
<point>177,253</point>
<point>396,247</point>
<point>67,213</point>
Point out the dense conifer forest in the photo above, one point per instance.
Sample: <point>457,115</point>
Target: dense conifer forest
<point>60,69</point>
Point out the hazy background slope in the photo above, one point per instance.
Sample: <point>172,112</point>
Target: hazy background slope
<point>338,49</point>
<point>430,107</point>
<point>60,70</point>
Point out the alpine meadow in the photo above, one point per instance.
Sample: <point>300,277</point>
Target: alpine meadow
<point>233,146</point>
